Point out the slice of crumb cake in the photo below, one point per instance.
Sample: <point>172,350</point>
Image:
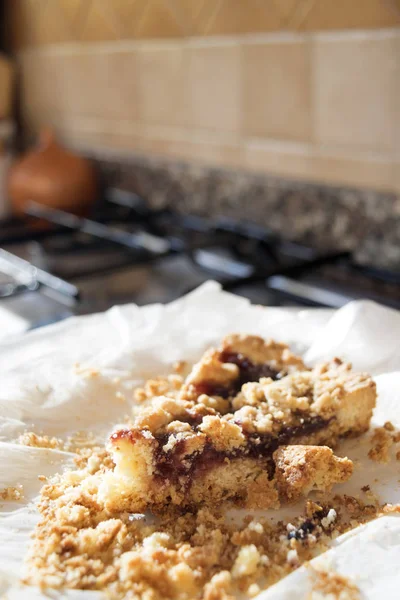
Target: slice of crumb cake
<point>249,425</point>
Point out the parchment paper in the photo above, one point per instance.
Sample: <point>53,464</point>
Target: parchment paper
<point>47,385</point>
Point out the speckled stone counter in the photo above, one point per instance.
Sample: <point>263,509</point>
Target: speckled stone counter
<point>365,221</point>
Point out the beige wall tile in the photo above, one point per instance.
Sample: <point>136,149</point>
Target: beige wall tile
<point>342,14</point>
<point>236,16</point>
<point>53,25</point>
<point>189,13</point>
<point>354,91</point>
<point>304,161</point>
<point>356,170</point>
<point>166,141</point>
<point>159,21</point>
<point>277,89</point>
<point>288,9</point>
<point>40,78</point>
<point>40,22</point>
<point>279,158</point>
<point>231,102</point>
<point>78,134</point>
<point>76,81</point>
<point>100,84</point>
<point>162,89</point>
<point>396,168</point>
<point>397,97</point>
<point>125,14</point>
<point>216,150</point>
<point>214,74</point>
<point>179,144</point>
<point>91,132</point>
<point>204,15</point>
<point>100,23</point>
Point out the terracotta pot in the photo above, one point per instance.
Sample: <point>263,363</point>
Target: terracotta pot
<point>54,177</point>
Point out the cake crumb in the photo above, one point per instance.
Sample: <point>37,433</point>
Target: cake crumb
<point>292,557</point>
<point>12,493</point>
<point>29,438</point>
<point>332,585</point>
<point>390,509</point>
<point>329,519</point>
<point>219,587</point>
<point>253,590</point>
<point>388,426</point>
<point>381,442</point>
<point>246,562</point>
<point>86,372</point>
<point>120,396</point>
<point>179,366</point>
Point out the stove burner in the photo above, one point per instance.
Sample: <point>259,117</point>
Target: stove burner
<point>59,248</point>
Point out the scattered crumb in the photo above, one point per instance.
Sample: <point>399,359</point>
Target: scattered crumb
<point>158,386</point>
<point>87,372</point>
<point>12,493</point>
<point>180,366</point>
<point>332,585</point>
<point>390,509</point>
<point>39,441</point>
<point>398,455</point>
<point>366,488</point>
<point>329,519</point>
<point>246,562</point>
<point>253,590</point>
<point>389,426</point>
<point>79,441</point>
<point>292,557</point>
<point>381,442</point>
<point>180,556</point>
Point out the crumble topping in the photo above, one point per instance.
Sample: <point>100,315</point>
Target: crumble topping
<point>158,386</point>
<point>239,359</point>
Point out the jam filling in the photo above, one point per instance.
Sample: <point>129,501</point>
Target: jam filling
<point>248,371</point>
<point>173,465</point>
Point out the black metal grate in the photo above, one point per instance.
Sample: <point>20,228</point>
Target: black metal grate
<point>238,254</point>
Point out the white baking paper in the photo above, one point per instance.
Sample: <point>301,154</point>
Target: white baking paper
<point>65,378</point>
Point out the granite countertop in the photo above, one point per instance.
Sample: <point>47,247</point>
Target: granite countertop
<point>364,221</point>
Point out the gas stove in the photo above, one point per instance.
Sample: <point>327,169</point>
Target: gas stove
<point>54,264</point>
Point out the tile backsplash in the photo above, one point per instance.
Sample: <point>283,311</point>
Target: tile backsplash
<point>305,89</point>
<point>40,22</point>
